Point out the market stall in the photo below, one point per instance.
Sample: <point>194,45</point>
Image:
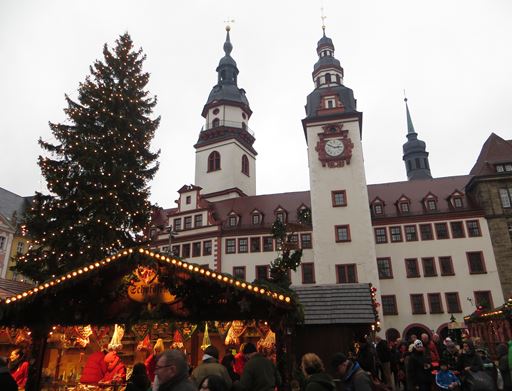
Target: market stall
<point>149,296</point>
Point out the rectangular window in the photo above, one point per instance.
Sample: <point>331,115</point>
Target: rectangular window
<point>232,220</point>
<point>435,304</point>
<point>230,246</point>
<point>404,207</point>
<point>268,243</point>
<point>293,239</point>
<point>411,235</point>
<point>418,304</point>
<point>346,273</point>
<point>339,198</point>
<point>305,240</point>
<point>380,235</point>
<point>196,249</point>
<point>389,306</point>
<point>431,205</point>
<point>452,302</point>
<point>177,224</point>
<point>243,245</point>
<point>262,272</point>
<point>473,228</point>
<point>207,247</point>
<point>395,233</point>
<point>165,249</point>
<point>342,233</point>
<point>377,209</point>
<point>506,198</point>
<point>483,299</point>
<point>19,248</point>
<point>476,262</point>
<point>426,232</point>
<point>308,273</point>
<point>188,222</point>
<point>188,200</point>
<point>457,229</point>
<point>239,272</point>
<point>256,245</point>
<point>176,250</point>
<point>411,268</point>
<point>384,268</point>
<point>256,218</point>
<point>457,202</point>
<point>446,266</point>
<point>198,220</point>
<point>186,250</point>
<point>442,231</point>
<point>2,242</point>
<point>280,217</point>
<point>429,267</point>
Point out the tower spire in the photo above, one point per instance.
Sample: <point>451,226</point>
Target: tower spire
<point>415,154</point>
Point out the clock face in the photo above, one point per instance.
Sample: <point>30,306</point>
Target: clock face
<point>334,147</point>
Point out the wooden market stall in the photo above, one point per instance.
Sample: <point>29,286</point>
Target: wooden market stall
<point>491,327</point>
<point>151,295</point>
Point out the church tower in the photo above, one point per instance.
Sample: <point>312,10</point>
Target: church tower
<point>343,242</point>
<point>415,154</point>
<point>225,157</point>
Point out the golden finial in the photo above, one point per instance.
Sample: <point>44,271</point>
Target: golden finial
<point>323,17</point>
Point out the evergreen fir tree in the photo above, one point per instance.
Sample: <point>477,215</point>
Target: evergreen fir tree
<point>98,170</point>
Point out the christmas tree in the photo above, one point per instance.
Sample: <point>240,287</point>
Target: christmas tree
<point>98,170</point>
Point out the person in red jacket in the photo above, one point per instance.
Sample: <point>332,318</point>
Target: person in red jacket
<point>18,366</point>
<point>116,371</point>
<point>94,368</point>
<point>151,360</point>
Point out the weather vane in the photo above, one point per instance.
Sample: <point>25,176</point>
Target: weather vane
<point>405,96</point>
<point>323,17</point>
<point>228,21</point>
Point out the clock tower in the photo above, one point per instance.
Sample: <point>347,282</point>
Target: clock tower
<point>343,234</point>
<point>225,157</point>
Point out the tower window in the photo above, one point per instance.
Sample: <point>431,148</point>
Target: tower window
<point>245,165</point>
<point>327,77</point>
<point>215,123</point>
<point>338,80</point>
<point>214,161</point>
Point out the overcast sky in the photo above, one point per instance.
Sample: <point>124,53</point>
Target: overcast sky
<point>453,58</point>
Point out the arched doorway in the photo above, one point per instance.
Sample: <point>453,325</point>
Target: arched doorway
<point>392,334</point>
<point>416,329</point>
<point>443,331</point>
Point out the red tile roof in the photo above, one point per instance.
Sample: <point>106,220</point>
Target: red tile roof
<point>494,151</point>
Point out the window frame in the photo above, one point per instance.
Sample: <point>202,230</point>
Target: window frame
<point>302,241</point>
<point>463,233</point>
<point>265,241</point>
<point>267,272</point>
<point>185,250</point>
<point>471,231</point>
<point>437,295</point>
<point>482,260</point>
<point>345,227</point>
<point>243,248</point>
<point>240,268</point>
<point>487,292</point>
<point>256,216</point>
<point>187,222</point>
<point>207,250</point>
<point>424,260</point>
<point>406,234</point>
<point>409,275</point>
<point>343,268</point>
<point>423,310</point>
<point>378,208</point>
<point>441,224</point>
<point>423,234</point>
<point>230,245</point>
<point>177,226</point>
<point>343,194</point>
<point>394,304</point>
<point>198,220</point>
<point>214,162</point>
<point>505,196</point>
<point>450,310</point>
<point>389,266</point>
<point>308,264</point>
<point>245,164</point>
<point>391,234</point>
<point>446,258</point>
<point>377,236</point>
<point>253,240</point>
<point>195,247</point>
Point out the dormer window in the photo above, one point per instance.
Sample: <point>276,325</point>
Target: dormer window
<point>280,215</point>
<point>214,161</point>
<point>404,204</point>
<point>457,202</point>
<point>377,206</point>
<point>256,219</point>
<point>431,205</point>
<point>232,220</point>
<point>504,167</point>
<point>430,202</point>
<point>404,207</point>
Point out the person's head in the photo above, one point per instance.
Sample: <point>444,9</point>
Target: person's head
<point>211,352</point>
<point>111,359</point>
<point>213,383</point>
<point>16,354</point>
<point>311,364</point>
<point>424,338</point>
<point>340,364</point>
<point>468,347</point>
<point>228,360</point>
<point>443,365</point>
<point>249,349</point>
<point>170,364</point>
<point>435,337</point>
<point>139,369</point>
<point>413,338</point>
<point>418,345</point>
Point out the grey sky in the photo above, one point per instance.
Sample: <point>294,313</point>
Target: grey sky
<point>454,58</point>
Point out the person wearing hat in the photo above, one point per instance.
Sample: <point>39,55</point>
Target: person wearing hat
<point>450,354</point>
<point>210,366</point>
<point>350,373</point>
<point>418,368</point>
<point>259,373</point>
<point>116,371</point>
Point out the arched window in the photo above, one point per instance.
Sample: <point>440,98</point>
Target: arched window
<point>215,123</point>
<point>214,161</point>
<point>245,165</point>
<point>327,77</point>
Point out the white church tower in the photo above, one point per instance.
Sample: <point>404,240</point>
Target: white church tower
<point>343,243</point>
<point>225,157</point>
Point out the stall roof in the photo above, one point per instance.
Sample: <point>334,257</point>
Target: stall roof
<point>336,304</point>
<point>10,288</point>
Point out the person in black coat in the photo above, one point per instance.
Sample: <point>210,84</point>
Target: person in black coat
<point>7,382</point>
<point>139,380</point>
<point>418,368</point>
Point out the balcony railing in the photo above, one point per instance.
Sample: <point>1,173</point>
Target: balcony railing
<point>229,124</point>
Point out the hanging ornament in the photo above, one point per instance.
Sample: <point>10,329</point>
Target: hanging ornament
<point>206,338</point>
<point>145,344</point>
<point>115,342</point>
<point>177,341</point>
<point>235,332</point>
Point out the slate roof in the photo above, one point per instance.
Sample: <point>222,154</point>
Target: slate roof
<point>9,288</point>
<point>416,191</point>
<point>336,304</point>
<point>494,151</point>
<point>10,203</point>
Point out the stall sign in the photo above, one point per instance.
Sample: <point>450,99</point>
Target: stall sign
<point>147,288</point>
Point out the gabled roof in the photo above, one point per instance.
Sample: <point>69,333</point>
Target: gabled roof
<point>10,203</point>
<point>417,190</point>
<point>494,151</point>
<point>336,304</point>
